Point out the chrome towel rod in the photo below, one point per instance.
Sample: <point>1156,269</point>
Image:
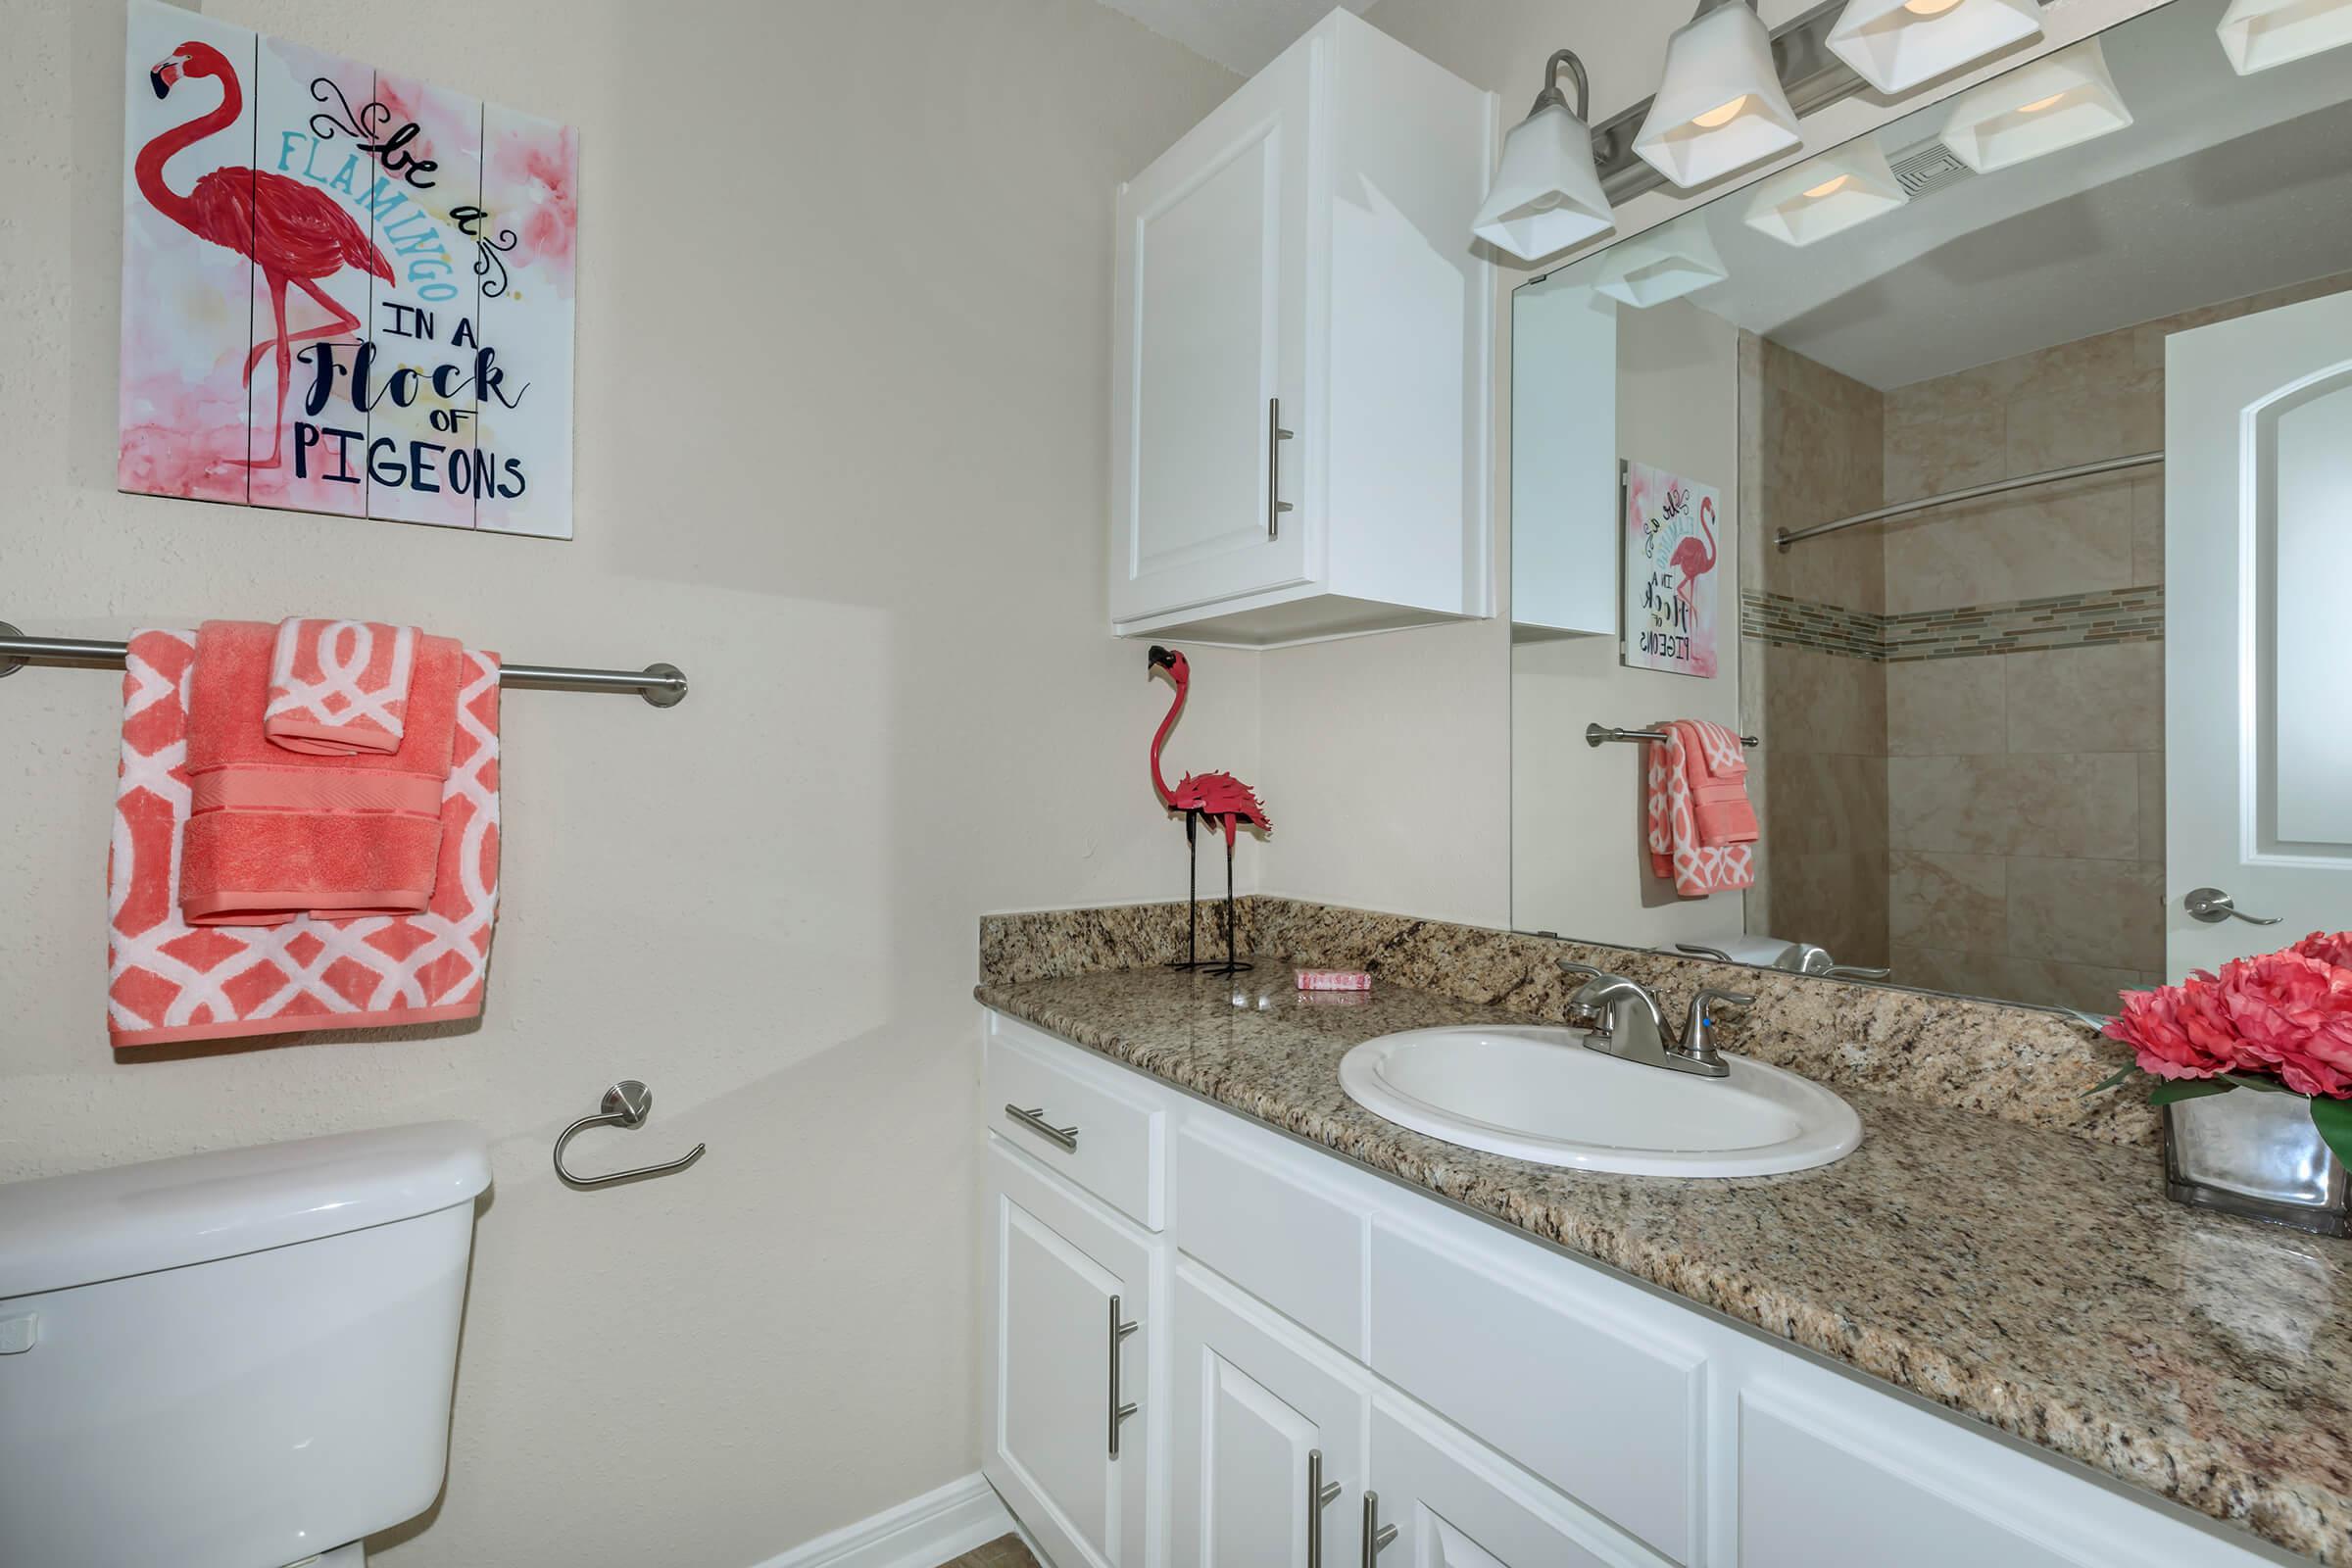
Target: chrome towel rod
<point>663,685</point>
<point>1595,734</point>
<point>2081,471</point>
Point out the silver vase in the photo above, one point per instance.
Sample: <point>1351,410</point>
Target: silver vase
<point>2257,1155</point>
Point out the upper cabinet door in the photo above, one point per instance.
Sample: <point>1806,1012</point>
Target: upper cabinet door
<point>1208,345</point>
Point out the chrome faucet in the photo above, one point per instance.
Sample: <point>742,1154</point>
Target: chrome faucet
<point>1622,1019</point>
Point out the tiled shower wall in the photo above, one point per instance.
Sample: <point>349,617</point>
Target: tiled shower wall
<point>2009,652</point>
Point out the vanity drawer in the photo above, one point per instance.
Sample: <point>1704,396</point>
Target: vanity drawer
<point>1104,1133</point>
<point>1246,1207</point>
<point>1527,1353</point>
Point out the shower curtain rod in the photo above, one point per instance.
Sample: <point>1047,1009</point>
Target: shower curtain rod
<point>2139,460</point>
<point>663,685</point>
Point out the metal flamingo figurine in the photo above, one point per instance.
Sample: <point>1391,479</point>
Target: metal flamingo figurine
<point>1220,797</point>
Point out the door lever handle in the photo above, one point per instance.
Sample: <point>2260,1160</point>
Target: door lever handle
<point>2212,906</point>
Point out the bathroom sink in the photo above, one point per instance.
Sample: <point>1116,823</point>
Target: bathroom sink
<point>1537,1094</point>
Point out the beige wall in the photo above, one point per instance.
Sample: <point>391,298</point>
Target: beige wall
<point>843,361</point>
<point>1578,820</point>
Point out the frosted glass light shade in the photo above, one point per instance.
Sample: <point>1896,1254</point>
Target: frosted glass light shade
<point>2257,34</point>
<point>1547,196</point>
<point>1664,264</point>
<point>1720,106</point>
<point>1826,195</point>
<point>2055,101</point>
<point>1894,45</point>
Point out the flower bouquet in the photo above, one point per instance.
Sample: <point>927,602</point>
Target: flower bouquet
<point>2280,1023</point>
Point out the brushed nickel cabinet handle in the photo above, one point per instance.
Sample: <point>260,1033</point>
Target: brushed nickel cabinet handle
<point>1034,1118</point>
<point>1376,1534</point>
<point>1320,1495</point>
<point>1118,1412</point>
<point>1276,435</point>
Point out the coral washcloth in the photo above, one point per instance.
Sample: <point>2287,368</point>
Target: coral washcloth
<point>272,834</point>
<point>1676,848</point>
<point>169,981</point>
<point>339,687</point>
<point>1719,803</point>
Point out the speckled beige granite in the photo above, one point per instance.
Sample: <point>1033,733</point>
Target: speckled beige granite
<point>2031,1279</point>
<point>2017,1064</point>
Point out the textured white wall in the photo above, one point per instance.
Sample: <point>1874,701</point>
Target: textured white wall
<point>843,362</point>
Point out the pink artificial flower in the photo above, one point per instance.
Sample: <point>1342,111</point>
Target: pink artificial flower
<point>2336,949</point>
<point>2176,1031</point>
<point>2293,1014</point>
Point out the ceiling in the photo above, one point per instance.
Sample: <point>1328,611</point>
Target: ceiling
<point>1242,36</point>
<point>2223,186</point>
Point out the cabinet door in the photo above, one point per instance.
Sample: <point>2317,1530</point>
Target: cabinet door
<point>1455,1506</point>
<point>1209,331</point>
<point>1069,1465</point>
<point>1268,1435</point>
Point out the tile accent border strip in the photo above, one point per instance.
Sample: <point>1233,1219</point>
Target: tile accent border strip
<point>2022,625</point>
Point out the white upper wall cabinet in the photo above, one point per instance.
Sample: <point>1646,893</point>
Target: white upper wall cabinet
<point>1301,263</point>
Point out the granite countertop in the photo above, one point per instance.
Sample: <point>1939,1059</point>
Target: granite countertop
<point>2033,1278</point>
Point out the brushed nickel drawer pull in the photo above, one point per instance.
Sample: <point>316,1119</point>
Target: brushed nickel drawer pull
<point>1118,1412</point>
<point>1034,1119</point>
<point>1376,1534</point>
<point>1276,435</point>
<point>1320,1495</point>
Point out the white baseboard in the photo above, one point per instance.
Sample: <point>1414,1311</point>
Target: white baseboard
<point>920,1533</point>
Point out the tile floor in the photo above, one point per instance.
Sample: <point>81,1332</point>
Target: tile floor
<point>1006,1551</point>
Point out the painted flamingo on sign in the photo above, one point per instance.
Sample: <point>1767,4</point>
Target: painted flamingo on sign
<point>295,233</point>
<point>1692,559</point>
<point>1219,796</point>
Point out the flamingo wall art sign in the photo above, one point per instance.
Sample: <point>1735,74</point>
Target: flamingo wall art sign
<point>1671,552</point>
<point>343,290</point>
<point>1225,801</point>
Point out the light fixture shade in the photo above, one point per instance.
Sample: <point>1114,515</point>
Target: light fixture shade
<point>2257,34</point>
<point>2054,102</point>
<point>1826,195</point>
<point>1547,196</point>
<point>1663,265</point>
<point>1894,45</point>
<point>1720,106</point>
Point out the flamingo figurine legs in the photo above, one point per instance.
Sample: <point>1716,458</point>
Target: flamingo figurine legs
<point>1192,897</point>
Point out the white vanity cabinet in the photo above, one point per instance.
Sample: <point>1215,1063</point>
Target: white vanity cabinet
<point>1311,1334</point>
<point>1300,368</point>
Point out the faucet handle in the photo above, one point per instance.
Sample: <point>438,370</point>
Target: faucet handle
<point>1853,971</point>
<point>1699,1025</point>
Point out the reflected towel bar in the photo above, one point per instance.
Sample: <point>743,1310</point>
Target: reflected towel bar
<point>1903,508</point>
<point>663,685</point>
<point>1595,734</point>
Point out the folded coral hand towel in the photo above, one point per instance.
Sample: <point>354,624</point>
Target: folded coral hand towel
<point>169,981</point>
<point>1677,849</point>
<point>271,833</point>
<point>339,687</point>
<point>1718,771</point>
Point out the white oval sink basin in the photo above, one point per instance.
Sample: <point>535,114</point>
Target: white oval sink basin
<point>1539,1094</point>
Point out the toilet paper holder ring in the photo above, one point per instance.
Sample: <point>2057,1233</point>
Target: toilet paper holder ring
<point>626,1104</point>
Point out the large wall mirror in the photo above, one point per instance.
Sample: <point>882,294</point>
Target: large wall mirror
<point>1993,475</point>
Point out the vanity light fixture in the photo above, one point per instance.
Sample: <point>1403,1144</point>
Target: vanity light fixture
<point>1826,195</point>
<point>1547,196</point>
<point>2054,102</point>
<point>1720,106</point>
<point>2257,34</point>
<point>1662,265</point>
<point>1894,45</point>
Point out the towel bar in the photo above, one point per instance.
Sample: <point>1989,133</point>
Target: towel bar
<point>663,685</point>
<point>1595,734</point>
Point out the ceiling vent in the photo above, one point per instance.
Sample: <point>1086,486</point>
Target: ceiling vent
<point>1929,167</point>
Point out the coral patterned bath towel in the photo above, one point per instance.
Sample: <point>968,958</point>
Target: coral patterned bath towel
<point>1679,846</point>
<point>169,981</point>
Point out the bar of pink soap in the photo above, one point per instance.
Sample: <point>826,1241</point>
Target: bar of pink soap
<point>1333,980</point>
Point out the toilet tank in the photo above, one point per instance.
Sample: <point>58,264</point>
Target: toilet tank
<point>235,1359</point>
